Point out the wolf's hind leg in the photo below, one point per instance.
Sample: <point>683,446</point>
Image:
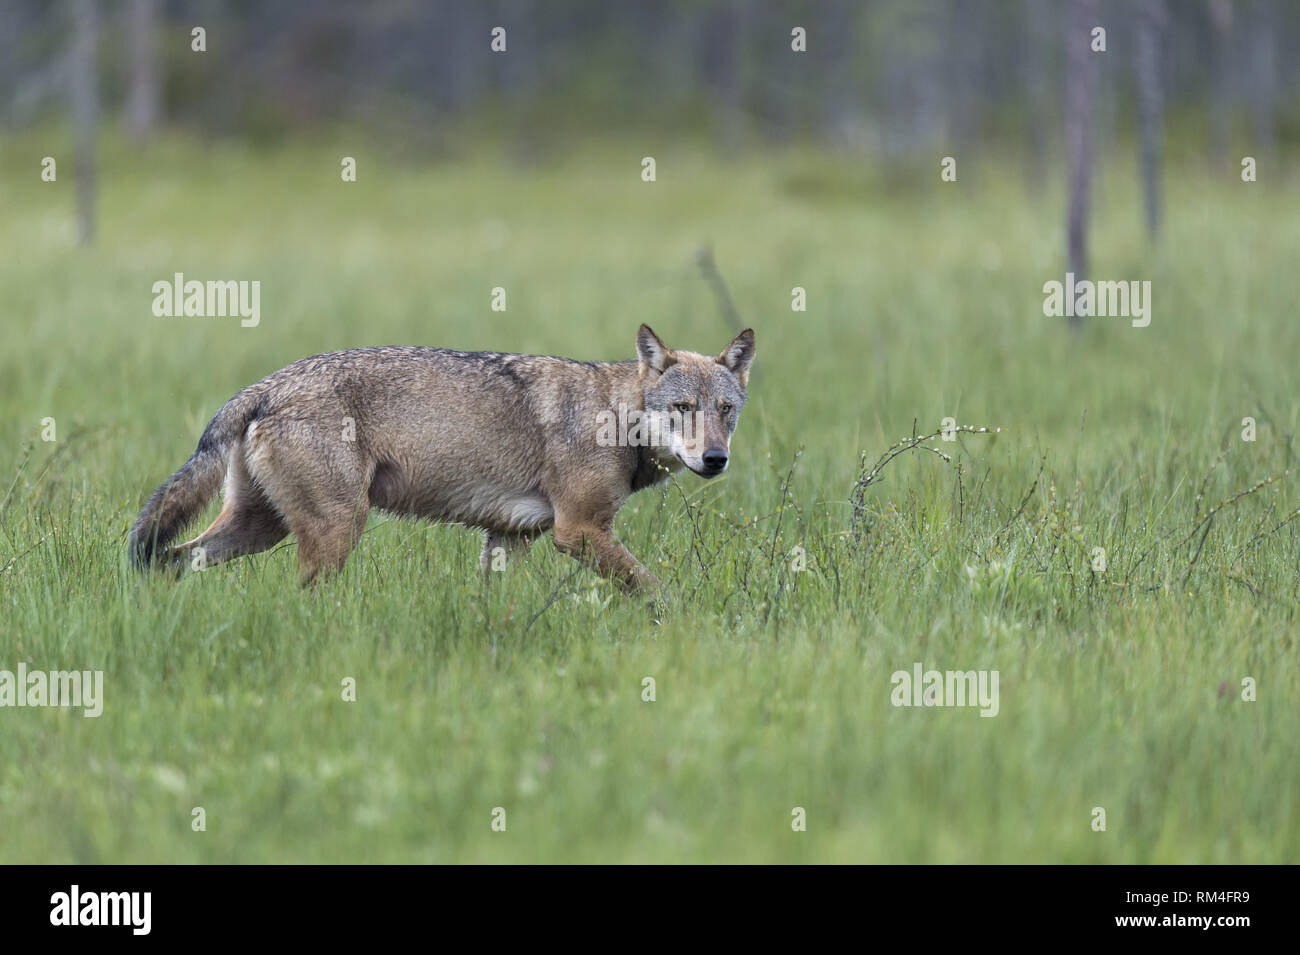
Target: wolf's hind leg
<point>326,536</point>
<point>247,524</point>
<point>319,483</point>
<point>251,529</point>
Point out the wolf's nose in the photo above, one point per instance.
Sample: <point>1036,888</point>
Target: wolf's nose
<point>715,460</point>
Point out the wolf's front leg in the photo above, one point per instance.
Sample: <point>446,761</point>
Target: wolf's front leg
<point>595,546</point>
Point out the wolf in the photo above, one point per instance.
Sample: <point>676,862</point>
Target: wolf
<point>509,444</point>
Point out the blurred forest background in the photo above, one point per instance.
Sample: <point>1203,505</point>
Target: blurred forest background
<point>894,79</point>
<point>898,82</point>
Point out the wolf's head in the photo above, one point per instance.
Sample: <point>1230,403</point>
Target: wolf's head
<point>694,401</point>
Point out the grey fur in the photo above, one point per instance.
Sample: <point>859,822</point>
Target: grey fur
<point>501,442</point>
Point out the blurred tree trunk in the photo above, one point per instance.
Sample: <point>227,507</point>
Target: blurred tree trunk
<point>1221,79</point>
<point>85,107</point>
<point>521,73</point>
<point>142,96</point>
<point>723,47</point>
<point>833,36</point>
<point>1152,19</point>
<point>1080,92</point>
<point>1036,85</point>
<point>782,79</point>
<point>966,81</point>
<point>1263,56</point>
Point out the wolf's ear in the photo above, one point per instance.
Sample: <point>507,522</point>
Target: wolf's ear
<point>737,356</point>
<point>654,355</point>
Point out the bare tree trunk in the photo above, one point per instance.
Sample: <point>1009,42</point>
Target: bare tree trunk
<point>724,38</point>
<point>1034,64</point>
<point>85,107</point>
<point>142,97</point>
<point>520,72</point>
<point>833,45</point>
<point>1152,19</point>
<point>1220,96</point>
<point>965,79</point>
<point>1263,55</point>
<point>779,85</point>
<point>1080,91</point>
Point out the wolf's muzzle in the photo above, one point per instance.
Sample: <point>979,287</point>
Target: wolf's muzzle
<point>715,461</point>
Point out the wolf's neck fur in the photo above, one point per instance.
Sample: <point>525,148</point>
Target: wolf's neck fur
<point>653,465</point>
<point>651,469</point>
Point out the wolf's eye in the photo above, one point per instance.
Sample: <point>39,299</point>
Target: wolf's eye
<point>726,407</point>
<point>682,407</point>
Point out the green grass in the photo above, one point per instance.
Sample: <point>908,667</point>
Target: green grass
<point>773,687</point>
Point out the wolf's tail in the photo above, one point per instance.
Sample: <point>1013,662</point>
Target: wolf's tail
<point>182,497</point>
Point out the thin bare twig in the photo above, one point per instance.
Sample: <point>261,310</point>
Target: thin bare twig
<point>869,476</point>
<point>709,268</point>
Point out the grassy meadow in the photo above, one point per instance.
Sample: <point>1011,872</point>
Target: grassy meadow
<point>1119,689</point>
